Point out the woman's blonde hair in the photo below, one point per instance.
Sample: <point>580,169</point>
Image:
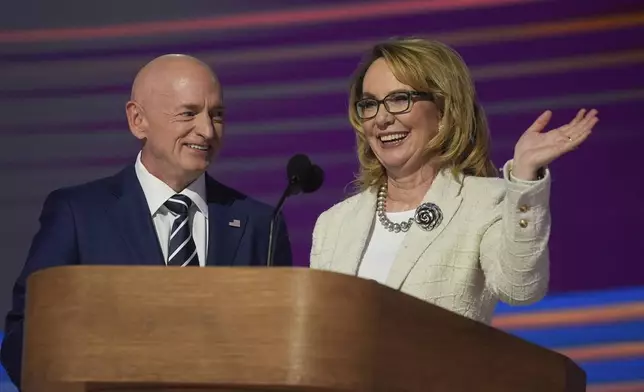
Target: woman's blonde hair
<point>462,143</point>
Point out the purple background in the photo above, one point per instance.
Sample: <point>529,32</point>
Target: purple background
<point>285,74</point>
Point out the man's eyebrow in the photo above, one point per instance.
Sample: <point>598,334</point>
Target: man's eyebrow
<point>192,107</point>
<point>189,106</point>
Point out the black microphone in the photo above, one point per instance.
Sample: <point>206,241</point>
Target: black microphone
<point>303,177</point>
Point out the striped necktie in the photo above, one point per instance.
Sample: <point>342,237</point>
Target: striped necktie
<point>181,247</point>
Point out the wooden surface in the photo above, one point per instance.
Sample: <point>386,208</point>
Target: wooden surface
<point>122,329</point>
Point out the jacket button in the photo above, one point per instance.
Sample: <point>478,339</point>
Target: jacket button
<point>523,223</point>
<point>524,208</point>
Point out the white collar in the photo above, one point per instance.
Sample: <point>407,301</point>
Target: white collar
<point>158,192</point>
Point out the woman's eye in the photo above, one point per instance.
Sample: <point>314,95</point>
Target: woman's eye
<point>367,104</point>
<point>399,98</point>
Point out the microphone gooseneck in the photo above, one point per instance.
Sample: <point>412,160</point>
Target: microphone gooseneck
<point>303,177</point>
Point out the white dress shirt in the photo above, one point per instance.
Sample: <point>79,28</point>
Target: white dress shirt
<point>382,248</point>
<point>157,193</point>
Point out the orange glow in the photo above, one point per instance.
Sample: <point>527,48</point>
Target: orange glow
<point>637,386</point>
<point>249,21</point>
<point>604,351</point>
<point>557,318</point>
<point>460,37</point>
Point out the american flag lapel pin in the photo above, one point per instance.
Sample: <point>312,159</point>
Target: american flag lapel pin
<point>234,223</point>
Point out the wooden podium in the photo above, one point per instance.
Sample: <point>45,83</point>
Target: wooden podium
<point>98,328</point>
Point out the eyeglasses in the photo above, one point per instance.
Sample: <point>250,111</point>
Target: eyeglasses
<point>395,103</point>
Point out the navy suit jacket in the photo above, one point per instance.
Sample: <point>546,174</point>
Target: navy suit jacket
<point>108,222</point>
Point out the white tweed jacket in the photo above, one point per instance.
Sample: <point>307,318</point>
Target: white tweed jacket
<point>491,245</point>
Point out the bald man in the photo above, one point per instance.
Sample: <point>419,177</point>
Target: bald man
<point>163,209</point>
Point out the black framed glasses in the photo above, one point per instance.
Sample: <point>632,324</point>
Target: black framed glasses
<point>395,103</point>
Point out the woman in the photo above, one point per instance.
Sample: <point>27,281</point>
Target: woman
<point>432,218</point>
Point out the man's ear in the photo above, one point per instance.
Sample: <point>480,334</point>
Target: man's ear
<point>136,120</point>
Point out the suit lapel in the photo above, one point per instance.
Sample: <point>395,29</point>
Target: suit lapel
<point>354,234</point>
<point>130,215</point>
<point>226,224</point>
<point>445,193</point>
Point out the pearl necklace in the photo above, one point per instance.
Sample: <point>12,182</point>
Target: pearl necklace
<point>427,215</point>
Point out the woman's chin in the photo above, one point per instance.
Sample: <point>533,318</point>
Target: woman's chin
<point>394,164</point>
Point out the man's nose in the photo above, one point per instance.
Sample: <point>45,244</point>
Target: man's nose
<point>206,128</point>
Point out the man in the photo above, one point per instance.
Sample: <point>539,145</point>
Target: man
<point>164,209</point>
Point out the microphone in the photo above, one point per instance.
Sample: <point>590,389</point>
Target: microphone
<point>303,177</point>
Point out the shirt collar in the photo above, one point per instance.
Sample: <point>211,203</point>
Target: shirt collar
<point>158,192</point>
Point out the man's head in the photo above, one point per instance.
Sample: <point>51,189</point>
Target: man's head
<point>176,109</point>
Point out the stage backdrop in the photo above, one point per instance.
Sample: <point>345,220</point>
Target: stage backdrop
<point>66,69</point>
